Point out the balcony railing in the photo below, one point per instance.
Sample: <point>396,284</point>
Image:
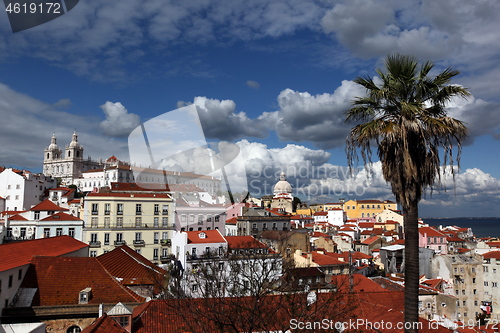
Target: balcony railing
<point>120,242</point>
<point>139,242</point>
<point>166,242</point>
<point>95,243</point>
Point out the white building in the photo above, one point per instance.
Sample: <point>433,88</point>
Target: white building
<point>235,265</point>
<point>23,189</point>
<point>42,221</point>
<point>336,216</point>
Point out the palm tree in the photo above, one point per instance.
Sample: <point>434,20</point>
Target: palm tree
<point>405,116</point>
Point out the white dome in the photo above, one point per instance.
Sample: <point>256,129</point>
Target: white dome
<point>282,186</point>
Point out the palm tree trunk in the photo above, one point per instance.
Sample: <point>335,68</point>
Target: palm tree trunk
<point>411,268</point>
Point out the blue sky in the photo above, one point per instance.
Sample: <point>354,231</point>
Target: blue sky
<point>273,76</point>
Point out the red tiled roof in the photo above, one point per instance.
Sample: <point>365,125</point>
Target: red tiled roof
<point>430,232</point>
<point>211,236</point>
<point>370,240</point>
<point>61,217</point>
<point>493,244</point>
<point>104,324</point>
<point>20,253</point>
<point>232,220</point>
<point>368,225</point>
<point>323,259</point>
<point>320,234</point>
<point>130,267</point>
<point>320,214</point>
<point>491,255</point>
<point>48,206</point>
<point>360,283</point>
<point>59,281</point>
<point>244,242</point>
<point>17,217</point>
<point>356,255</point>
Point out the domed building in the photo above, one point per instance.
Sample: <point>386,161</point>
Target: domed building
<point>283,197</point>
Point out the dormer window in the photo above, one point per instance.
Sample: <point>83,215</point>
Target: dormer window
<point>202,235</point>
<point>85,295</point>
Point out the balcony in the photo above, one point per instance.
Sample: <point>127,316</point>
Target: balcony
<point>166,242</point>
<point>95,212</point>
<point>139,243</point>
<point>120,242</point>
<point>94,244</point>
<point>167,258</point>
<point>165,212</point>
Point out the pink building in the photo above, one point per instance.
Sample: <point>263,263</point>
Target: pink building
<point>432,239</point>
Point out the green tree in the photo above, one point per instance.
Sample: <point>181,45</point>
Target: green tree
<point>404,115</point>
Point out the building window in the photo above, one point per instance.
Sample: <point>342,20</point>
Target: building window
<point>138,209</point>
<point>156,237</point>
<point>119,222</point>
<point>463,291</point>
<point>200,219</point>
<point>494,284</point>
<point>155,254</point>
<point>165,210</point>
<point>20,274</point>
<point>155,222</point>
<point>217,218</point>
<point>95,209</point>
<point>107,209</point>
<point>119,237</point>
<point>138,221</point>
<point>164,235</point>
<point>71,232</point>
<point>106,238</point>
<point>37,215</point>
<point>107,221</point>
<point>486,283</point>
<point>93,222</point>
<point>46,232</point>
<point>119,209</point>
<point>59,231</point>
<point>93,253</point>
<point>485,268</point>
<point>157,209</point>
<point>11,278</point>
<point>138,236</point>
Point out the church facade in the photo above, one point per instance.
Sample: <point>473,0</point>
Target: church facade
<point>68,165</point>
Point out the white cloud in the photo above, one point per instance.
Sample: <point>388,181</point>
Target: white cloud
<point>119,122</point>
<point>319,119</point>
<point>219,120</point>
<point>253,84</point>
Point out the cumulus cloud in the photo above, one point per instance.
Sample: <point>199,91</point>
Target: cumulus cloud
<point>319,119</point>
<point>119,122</point>
<point>220,120</point>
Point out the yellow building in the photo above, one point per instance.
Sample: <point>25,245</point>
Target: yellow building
<point>367,208</point>
<point>144,221</point>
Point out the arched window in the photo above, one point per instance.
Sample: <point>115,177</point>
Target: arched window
<point>69,153</point>
<point>74,329</point>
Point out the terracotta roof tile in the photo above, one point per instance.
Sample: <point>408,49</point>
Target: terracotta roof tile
<point>130,267</point>
<point>59,281</point>
<point>104,324</point>
<point>48,206</point>
<point>244,242</point>
<point>211,236</point>
<point>20,253</point>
